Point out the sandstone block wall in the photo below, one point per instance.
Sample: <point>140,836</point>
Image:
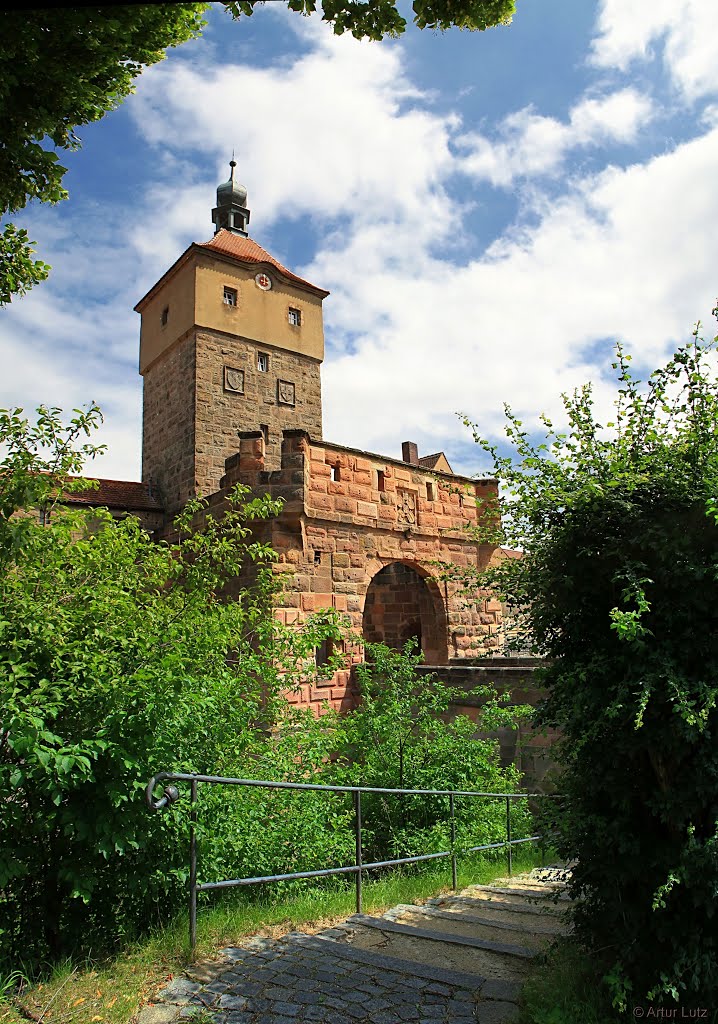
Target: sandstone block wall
<point>168,425</point>
<point>234,396</point>
<point>355,527</point>
<point>201,393</point>
<point>528,748</point>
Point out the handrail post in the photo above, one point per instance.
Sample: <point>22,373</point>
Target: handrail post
<point>508,834</point>
<point>542,845</point>
<point>453,843</point>
<point>357,844</point>
<point>193,868</point>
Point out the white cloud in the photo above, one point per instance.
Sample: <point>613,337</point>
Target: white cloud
<point>529,144</point>
<point>629,254</point>
<point>340,130</point>
<point>631,31</point>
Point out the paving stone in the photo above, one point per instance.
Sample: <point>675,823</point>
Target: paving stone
<point>497,1013</point>
<point>233,1002</point>
<point>233,952</point>
<point>325,979</point>
<point>179,990</point>
<point>376,1005</point>
<point>159,1013</point>
<point>288,1009</point>
<point>315,1013</point>
<point>308,998</point>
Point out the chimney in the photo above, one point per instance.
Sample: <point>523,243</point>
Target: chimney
<point>410,453</point>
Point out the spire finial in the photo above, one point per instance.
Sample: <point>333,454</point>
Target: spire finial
<point>231,211</point>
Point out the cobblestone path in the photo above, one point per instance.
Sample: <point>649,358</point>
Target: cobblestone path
<point>454,960</point>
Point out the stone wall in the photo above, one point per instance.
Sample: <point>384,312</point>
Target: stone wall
<point>168,425</point>
<point>398,607</point>
<point>351,515</point>
<point>206,389</point>
<point>234,396</point>
<point>529,749</point>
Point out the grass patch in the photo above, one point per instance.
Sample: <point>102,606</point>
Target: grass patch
<point>111,992</point>
<point>566,987</point>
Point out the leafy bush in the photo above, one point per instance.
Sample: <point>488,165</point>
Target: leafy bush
<point>118,657</point>
<point>619,588</point>
<point>397,739</point>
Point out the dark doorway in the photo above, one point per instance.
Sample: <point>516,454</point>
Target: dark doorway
<point>400,606</point>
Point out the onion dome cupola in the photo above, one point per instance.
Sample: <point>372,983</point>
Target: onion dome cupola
<point>231,211</point>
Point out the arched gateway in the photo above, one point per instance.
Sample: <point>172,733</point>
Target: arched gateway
<point>401,605</point>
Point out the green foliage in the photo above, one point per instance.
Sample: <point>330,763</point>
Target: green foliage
<point>38,460</point>
<point>618,587</point>
<point>397,738</point>
<point>394,739</point>
<point>565,987</point>
<point>65,67</point>
<point>248,832</point>
<point>18,271</point>
<point>61,68</point>
<point>375,19</point>
<point>118,656</point>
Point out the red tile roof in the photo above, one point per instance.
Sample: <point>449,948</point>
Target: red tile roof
<point>249,251</point>
<point>124,494</point>
<point>429,461</point>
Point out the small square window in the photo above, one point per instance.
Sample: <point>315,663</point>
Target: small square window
<point>164,316</point>
<point>295,317</point>
<point>317,558</point>
<point>230,296</point>
<point>262,362</point>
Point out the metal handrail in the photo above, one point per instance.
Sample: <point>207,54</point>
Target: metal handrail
<point>171,794</point>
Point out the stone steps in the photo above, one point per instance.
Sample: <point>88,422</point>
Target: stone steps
<point>456,960</point>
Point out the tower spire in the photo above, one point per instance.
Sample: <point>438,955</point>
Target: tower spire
<point>231,210</point>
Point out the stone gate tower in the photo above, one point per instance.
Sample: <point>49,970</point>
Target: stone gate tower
<point>231,341</point>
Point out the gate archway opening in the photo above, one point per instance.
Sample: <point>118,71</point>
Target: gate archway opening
<point>401,605</point>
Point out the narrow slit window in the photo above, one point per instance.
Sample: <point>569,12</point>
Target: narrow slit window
<point>380,480</point>
<point>323,653</point>
<point>429,492</point>
<point>164,316</point>
<point>265,433</point>
<point>263,362</point>
<point>230,296</point>
<point>317,558</point>
<point>336,474</point>
<point>295,317</point>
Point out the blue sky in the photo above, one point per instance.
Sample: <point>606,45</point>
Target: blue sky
<point>488,211</point>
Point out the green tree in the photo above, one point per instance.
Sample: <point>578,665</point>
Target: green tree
<point>62,68</point>
<point>119,657</point>
<point>374,19</point>
<point>41,461</point>
<point>618,587</point>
